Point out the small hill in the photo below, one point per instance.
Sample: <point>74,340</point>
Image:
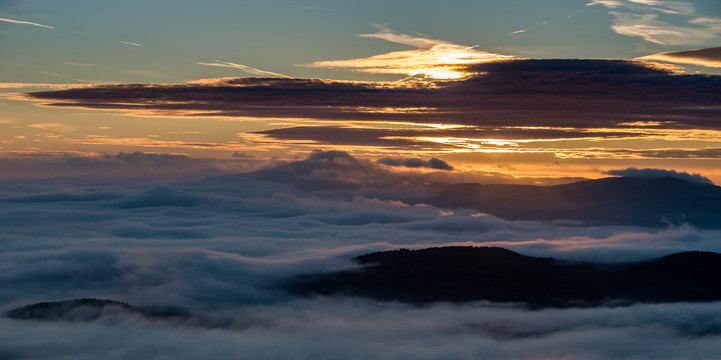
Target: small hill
<point>81,310</point>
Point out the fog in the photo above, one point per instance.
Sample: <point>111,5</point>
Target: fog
<point>218,246</point>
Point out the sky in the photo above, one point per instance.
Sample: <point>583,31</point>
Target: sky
<point>425,46</point>
<point>198,154</point>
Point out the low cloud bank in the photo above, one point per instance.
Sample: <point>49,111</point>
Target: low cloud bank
<point>219,245</point>
<point>357,329</point>
<point>136,164</point>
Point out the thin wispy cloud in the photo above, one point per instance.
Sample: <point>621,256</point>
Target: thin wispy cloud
<point>129,43</point>
<point>680,26</point>
<point>81,64</point>
<point>49,73</point>
<point>434,59</point>
<point>12,21</point>
<point>311,8</point>
<point>245,68</point>
<point>417,41</point>
<point>531,28</point>
<point>672,7</point>
<point>152,142</point>
<point>38,85</point>
<point>649,27</point>
<point>54,127</point>
<point>710,57</point>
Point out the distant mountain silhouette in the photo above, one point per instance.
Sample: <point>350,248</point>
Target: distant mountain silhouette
<point>80,310</point>
<point>496,274</point>
<point>638,201</point>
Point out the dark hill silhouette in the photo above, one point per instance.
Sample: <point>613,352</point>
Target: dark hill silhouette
<point>79,310</point>
<point>655,198</point>
<point>496,274</point>
<point>624,201</point>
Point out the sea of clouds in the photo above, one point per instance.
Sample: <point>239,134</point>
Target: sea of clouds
<point>219,246</point>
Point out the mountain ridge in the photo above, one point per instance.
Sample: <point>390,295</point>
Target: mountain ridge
<point>639,201</point>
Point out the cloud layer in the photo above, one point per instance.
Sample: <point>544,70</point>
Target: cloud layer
<point>517,100</point>
<point>218,246</point>
<point>354,329</point>
<point>25,165</point>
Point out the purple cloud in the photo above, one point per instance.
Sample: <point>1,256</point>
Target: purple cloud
<point>581,94</point>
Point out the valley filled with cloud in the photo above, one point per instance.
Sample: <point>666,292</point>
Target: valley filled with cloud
<point>218,247</point>
<point>330,179</point>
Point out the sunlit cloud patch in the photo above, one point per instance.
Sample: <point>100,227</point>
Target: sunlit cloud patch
<point>647,19</point>
<point>434,59</point>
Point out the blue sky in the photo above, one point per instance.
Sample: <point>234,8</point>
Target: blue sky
<point>278,35</point>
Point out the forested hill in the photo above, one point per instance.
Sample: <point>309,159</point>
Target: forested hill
<point>496,274</point>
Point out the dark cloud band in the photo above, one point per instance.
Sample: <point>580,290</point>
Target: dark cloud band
<point>559,93</point>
